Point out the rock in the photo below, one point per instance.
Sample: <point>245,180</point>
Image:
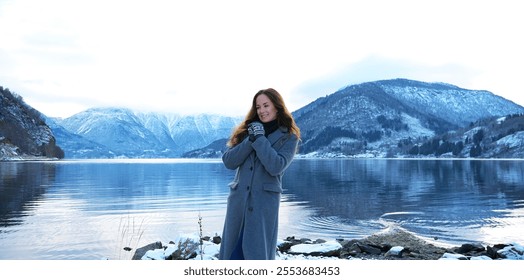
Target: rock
<point>140,252</point>
<point>465,248</point>
<point>512,252</point>
<point>414,247</point>
<point>390,245</point>
<point>184,250</point>
<point>350,250</point>
<point>217,239</point>
<point>492,251</point>
<point>289,242</point>
<point>395,251</point>
<point>369,249</point>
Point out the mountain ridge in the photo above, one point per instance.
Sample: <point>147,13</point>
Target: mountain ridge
<point>375,117</point>
<point>23,131</point>
<point>385,118</point>
<point>128,133</point>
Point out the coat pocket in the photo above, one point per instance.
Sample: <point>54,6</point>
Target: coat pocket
<point>272,187</point>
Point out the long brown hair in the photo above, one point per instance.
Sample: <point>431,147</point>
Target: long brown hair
<point>284,117</point>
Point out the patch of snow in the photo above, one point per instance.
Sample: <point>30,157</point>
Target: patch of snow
<point>415,127</point>
<point>481,258</point>
<point>450,256</point>
<point>512,141</point>
<point>395,250</point>
<point>513,252</point>
<point>315,248</point>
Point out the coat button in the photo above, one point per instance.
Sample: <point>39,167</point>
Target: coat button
<point>247,187</point>
<point>250,208</point>
<point>251,168</point>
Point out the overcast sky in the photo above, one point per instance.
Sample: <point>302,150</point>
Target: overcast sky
<point>195,56</point>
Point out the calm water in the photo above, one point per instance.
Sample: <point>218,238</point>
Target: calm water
<point>92,209</point>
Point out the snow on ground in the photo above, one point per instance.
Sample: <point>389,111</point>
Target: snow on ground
<point>304,252</point>
<point>210,250</point>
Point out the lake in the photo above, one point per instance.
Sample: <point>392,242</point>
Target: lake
<point>91,209</point>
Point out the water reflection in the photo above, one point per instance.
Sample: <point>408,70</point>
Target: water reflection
<point>21,185</point>
<point>76,208</point>
<point>431,197</point>
<point>120,187</point>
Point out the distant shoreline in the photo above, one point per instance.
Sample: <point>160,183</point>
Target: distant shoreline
<point>298,157</point>
<point>28,158</point>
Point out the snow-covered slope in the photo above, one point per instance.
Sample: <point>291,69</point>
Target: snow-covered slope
<point>460,106</point>
<point>375,118</point>
<point>148,134</point>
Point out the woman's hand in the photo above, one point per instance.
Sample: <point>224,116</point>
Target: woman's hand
<point>255,130</point>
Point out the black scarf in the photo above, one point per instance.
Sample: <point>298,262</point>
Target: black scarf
<point>270,127</point>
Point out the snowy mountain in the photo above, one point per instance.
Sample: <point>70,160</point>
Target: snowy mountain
<point>495,137</point>
<point>389,118</point>
<point>23,131</point>
<point>378,119</point>
<point>143,134</point>
<point>189,132</point>
<point>76,146</point>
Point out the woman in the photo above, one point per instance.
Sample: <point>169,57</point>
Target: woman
<point>260,149</point>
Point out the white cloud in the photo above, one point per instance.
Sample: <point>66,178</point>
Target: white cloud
<point>212,56</point>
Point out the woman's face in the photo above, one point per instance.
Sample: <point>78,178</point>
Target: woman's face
<point>266,111</point>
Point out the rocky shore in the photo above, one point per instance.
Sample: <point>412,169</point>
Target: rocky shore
<point>389,245</point>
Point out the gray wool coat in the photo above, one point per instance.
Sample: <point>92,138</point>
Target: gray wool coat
<point>254,197</point>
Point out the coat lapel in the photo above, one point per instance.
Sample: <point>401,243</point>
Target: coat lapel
<point>277,135</point>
